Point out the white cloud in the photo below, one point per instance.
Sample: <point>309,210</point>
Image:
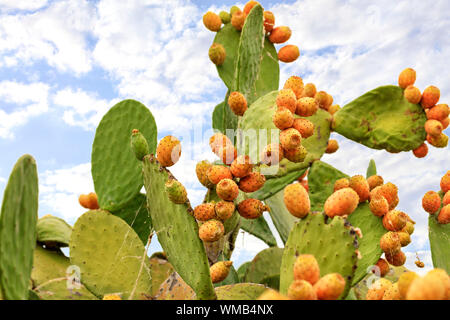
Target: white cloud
<point>7,5</point>
<point>29,100</point>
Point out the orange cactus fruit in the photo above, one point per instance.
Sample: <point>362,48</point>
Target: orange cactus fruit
<point>241,167</point>
<point>224,210</point>
<point>334,108</point>
<point>252,182</point>
<point>200,169</point>
<point>249,6</point>
<point>361,186</point>
<point>286,99</point>
<point>446,198</point>
<point>251,208</point>
<point>288,53</point>
<point>421,151</point>
<point>271,294</point>
<point>412,94</point>
<point>295,84</point>
<point>220,270</point>
<point>429,287</point>
<point>217,141</point>
<point>377,289</point>
<point>381,268</point>
<point>309,90</point>
<point>296,155</point>
<point>396,259</point>
<point>283,118</point>
<point>341,203</point>
<point>439,141</point>
<point>290,139</point>
<point>217,54</point>
<point>379,206</point>
<point>227,190</point>
<point>272,154</point>
<point>433,127</point>
<point>306,268</point>
<point>227,154</point>
<point>439,112</point>
<point>442,275</point>
<point>301,290</point>
<point>306,107</point>
<point>304,126</point>
<point>407,78</point>
<point>404,282</point>
<point>391,293</point>
<point>280,34</point>
<point>341,184</point>
<point>444,215</point>
<point>238,20</point>
<point>296,200</point>
<point>89,201</point>
<point>394,220</point>
<point>431,202</point>
<point>217,173</point>
<point>390,242</point>
<point>375,181</point>
<point>205,212</point>
<point>212,21</point>
<point>168,151</point>
<point>237,103</point>
<point>332,146</point>
<point>405,238</point>
<point>324,100</point>
<point>445,122</point>
<point>389,191</point>
<point>269,21</point>
<point>430,97</point>
<point>330,286</point>
<point>211,230</point>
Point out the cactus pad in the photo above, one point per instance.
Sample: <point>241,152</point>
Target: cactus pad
<point>160,270</point>
<point>110,255</point>
<point>223,118</point>
<point>18,220</point>
<point>177,231</point>
<point>260,229</point>
<point>240,291</point>
<point>57,290</point>
<point>266,264</point>
<point>382,119</point>
<point>53,231</point>
<point>116,172</point>
<point>439,235</point>
<point>371,169</point>
<point>333,244</point>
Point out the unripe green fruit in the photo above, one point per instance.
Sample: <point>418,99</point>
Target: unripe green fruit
<point>225,16</point>
<point>175,191</point>
<point>139,145</point>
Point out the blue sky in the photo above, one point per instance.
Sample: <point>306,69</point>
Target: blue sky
<point>63,64</point>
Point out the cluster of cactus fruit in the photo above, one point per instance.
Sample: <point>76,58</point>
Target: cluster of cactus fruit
<point>334,227</point>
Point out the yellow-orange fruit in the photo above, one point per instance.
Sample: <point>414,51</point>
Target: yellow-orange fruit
<point>217,173</point>
<point>445,122</point>
<point>237,103</point>
<point>212,21</point>
<point>394,220</point>
<point>296,155</point>
<point>220,270</point>
<point>290,139</point>
<point>286,99</point>
<point>227,154</point>
<point>224,209</point>
<point>439,112</point>
<point>381,268</point>
<point>433,127</point>
<point>306,268</point>
<point>89,201</point>
<point>390,242</point>
<point>379,206</point>
<point>330,286</point>
<point>391,293</point>
<point>412,94</point>
<point>280,34</point>
<point>409,228</point>
<point>296,200</point>
<point>295,84</point>
<point>439,141</point>
<point>227,190</point>
<point>304,126</point>
<point>342,202</point>
<point>421,151</point>
<point>407,78</point>
<point>168,151</point>
<point>269,21</point>
<point>205,212</point>
<point>272,154</point>
<point>211,230</point>
<point>375,181</point>
<point>334,108</point>
<point>309,90</point>
<point>271,294</point>
<point>332,146</point>
<point>446,198</point>
<point>249,6</point>
<point>288,53</point>
<point>251,208</point>
<point>200,169</point>
<point>301,290</point>
<point>396,259</point>
<point>429,287</point>
<point>252,182</point>
<point>217,141</point>
<point>389,191</point>
<point>341,184</point>
<point>241,167</point>
<point>444,215</point>
<point>324,100</point>
<point>234,9</point>
<point>238,20</point>
<point>361,186</point>
<point>378,288</point>
<point>217,54</point>
<point>404,282</point>
<point>306,107</point>
<point>442,275</point>
<point>283,118</point>
<point>112,297</point>
<point>431,202</point>
<point>405,238</point>
<point>430,97</point>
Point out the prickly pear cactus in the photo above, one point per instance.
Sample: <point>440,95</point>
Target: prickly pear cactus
<point>265,267</point>
<point>382,119</point>
<point>177,231</point>
<point>240,291</point>
<point>18,220</point>
<point>334,249</point>
<point>115,169</point>
<point>110,255</point>
<point>160,270</point>
<point>439,235</point>
<point>53,231</point>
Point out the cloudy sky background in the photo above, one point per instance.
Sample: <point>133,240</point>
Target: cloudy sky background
<point>63,64</point>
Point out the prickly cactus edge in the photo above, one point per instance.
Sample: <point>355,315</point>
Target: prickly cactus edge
<point>335,227</point>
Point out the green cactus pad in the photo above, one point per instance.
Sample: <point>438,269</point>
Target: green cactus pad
<point>116,172</point>
<point>135,213</point>
<point>382,119</point>
<point>53,231</point>
<point>269,69</point>
<point>32,295</point>
<point>18,218</point>
<point>439,235</point>
<point>223,118</point>
<point>110,255</point>
<point>232,278</point>
<point>177,231</point>
<point>260,229</point>
<point>266,264</point>
<point>282,219</point>
<point>259,116</point>
<point>242,270</point>
<point>58,290</point>
<point>333,244</point>
<point>371,169</point>
<point>160,270</point>
<point>240,291</point>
